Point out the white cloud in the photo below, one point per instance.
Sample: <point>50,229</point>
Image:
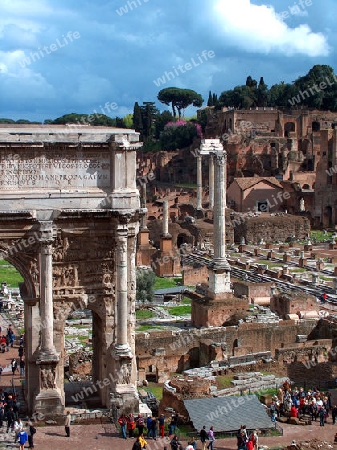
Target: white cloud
<point>258,28</point>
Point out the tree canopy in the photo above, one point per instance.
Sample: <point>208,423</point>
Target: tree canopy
<point>317,89</point>
<point>179,99</point>
<point>145,280</point>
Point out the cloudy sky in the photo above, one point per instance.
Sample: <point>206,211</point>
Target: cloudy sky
<point>64,56</point>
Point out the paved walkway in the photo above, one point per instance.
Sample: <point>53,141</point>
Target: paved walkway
<point>93,437</point>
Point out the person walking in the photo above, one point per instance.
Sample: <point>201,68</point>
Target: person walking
<point>131,424</point>
<point>14,365</point>
<point>203,437</point>
<point>67,424</point>
<point>322,413</point>
<point>22,367</point>
<point>211,438</point>
<point>161,421</point>
<point>140,424</point>
<point>31,431</point>
<point>23,438</point>
<point>10,419</point>
<point>334,414</point>
<point>123,423</point>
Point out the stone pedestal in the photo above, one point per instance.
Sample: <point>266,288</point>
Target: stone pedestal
<point>286,257</point>
<point>302,262</point>
<point>126,399</point>
<point>308,247</point>
<point>242,248</point>
<point>271,255</point>
<point>143,238</point>
<point>48,401</point>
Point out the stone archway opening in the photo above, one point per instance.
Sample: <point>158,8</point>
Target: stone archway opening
<point>78,361</point>
<point>289,127</point>
<point>183,239</point>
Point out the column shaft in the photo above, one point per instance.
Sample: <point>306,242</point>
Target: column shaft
<point>143,225</point>
<point>219,230</point>
<point>165,218</point>
<point>211,181</point>
<point>199,182</point>
<point>122,289</point>
<point>48,350</point>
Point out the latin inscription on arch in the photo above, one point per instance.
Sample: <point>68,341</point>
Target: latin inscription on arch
<point>55,170</point>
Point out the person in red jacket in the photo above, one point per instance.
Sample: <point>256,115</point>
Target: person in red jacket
<point>293,411</point>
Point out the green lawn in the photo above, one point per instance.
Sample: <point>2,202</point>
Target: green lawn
<point>9,274</point>
<point>156,389</point>
<point>180,310</point>
<point>224,381</point>
<point>164,283</point>
<point>319,236</point>
<point>144,314</point>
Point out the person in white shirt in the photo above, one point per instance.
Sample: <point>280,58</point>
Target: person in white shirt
<point>18,426</point>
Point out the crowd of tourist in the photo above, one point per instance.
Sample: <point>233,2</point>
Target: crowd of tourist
<point>296,402</point>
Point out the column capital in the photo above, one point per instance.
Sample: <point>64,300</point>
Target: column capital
<point>46,234</point>
<point>220,158</point>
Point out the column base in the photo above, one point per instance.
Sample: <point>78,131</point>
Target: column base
<point>122,352</point>
<point>219,283</point>
<point>48,356</point>
<point>48,403</point>
<point>125,399</point>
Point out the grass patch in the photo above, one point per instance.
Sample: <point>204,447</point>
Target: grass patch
<point>180,310</point>
<point>319,236</point>
<point>144,314</point>
<point>9,274</point>
<point>156,389</point>
<point>298,270</point>
<point>322,277</point>
<point>148,328</point>
<point>224,381</point>
<point>186,301</point>
<point>164,283</point>
<point>269,263</point>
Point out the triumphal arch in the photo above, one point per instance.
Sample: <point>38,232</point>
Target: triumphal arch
<point>69,218</point>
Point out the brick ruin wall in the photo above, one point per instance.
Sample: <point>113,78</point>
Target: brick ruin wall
<point>271,229</point>
<point>179,351</point>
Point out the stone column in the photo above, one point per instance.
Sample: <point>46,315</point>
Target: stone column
<point>47,351</point>
<point>199,182</point>
<point>219,279</point>
<point>122,346</point>
<point>143,225</point>
<point>211,181</point>
<point>48,398</point>
<point>165,219</point>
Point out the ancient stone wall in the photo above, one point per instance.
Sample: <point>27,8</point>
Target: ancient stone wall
<point>283,304</point>
<point>271,228</point>
<point>195,348</point>
<point>194,275</point>
<point>251,290</point>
